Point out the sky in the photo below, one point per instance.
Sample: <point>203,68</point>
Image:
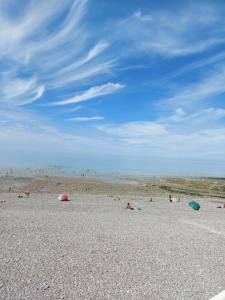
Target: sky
<point>135,86</point>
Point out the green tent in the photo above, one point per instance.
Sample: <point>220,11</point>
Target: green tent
<point>194,205</point>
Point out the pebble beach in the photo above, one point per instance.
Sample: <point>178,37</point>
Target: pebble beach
<point>91,247</point>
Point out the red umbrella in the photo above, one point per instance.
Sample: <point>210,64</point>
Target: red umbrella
<point>64,197</point>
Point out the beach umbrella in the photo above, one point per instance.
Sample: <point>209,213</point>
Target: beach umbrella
<point>194,205</point>
<point>63,197</point>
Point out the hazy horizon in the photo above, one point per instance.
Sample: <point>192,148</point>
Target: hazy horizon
<point>122,166</point>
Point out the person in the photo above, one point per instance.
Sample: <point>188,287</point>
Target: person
<point>27,193</point>
<point>130,206</point>
<point>10,189</point>
<point>170,198</point>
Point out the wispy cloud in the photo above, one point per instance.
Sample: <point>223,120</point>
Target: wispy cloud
<point>134,129</point>
<point>177,32</point>
<point>210,86</point>
<point>86,119</point>
<point>40,54</point>
<point>72,109</point>
<point>211,60</point>
<point>91,93</point>
<point>184,123</point>
<point>17,91</point>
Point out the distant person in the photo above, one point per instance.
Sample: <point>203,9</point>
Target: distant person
<point>10,189</point>
<point>27,193</point>
<point>130,206</point>
<point>174,199</point>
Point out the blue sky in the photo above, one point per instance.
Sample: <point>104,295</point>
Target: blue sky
<point>114,85</point>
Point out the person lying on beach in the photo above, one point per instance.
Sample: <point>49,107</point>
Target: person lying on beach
<point>130,206</point>
<point>20,196</point>
<point>174,199</point>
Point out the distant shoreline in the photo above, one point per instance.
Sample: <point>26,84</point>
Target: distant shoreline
<point>119,185</point>
<point>61,171</point>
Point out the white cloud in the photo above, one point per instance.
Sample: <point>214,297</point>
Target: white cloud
<point>20,91</point>
<point>18,33</point>
<point>134,129</point>
<point>203,117</point>
<point>91,93</point>
<point>210,86</point>
<point>39,57</point>
<point>198,135</point>
<point>211,60</point>
<point>139,15</point>
<point>175,32</point>
<point>86,119</point>
<point>95,51</point>
<point>14,88</point>
<point>73,109</point>
<point>87,72</point>
<point>183,134</point>
<point>177,116</point>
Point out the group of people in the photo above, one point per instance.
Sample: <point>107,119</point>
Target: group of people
<point>27,194</point>
<point>171,199</point>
